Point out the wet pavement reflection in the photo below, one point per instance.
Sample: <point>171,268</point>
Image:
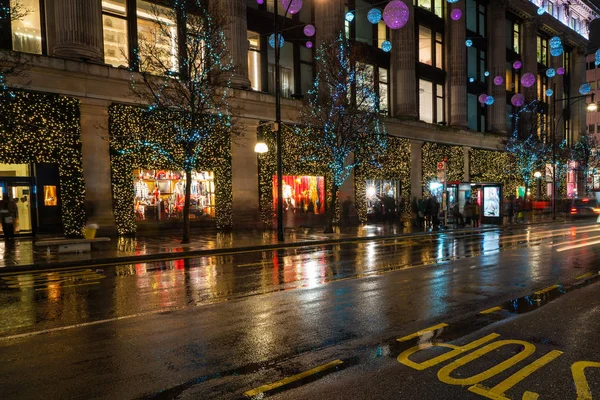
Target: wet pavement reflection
<point>48,299</point>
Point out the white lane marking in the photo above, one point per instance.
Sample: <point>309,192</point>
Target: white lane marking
<point>577,246</point>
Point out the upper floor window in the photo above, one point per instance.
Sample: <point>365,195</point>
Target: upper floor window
<point>431,101</point>
<point>27,28</point>
<point>157,33</point>
<point>362,26</point>
<point>254,61</point>
<point>542,50</point>
<point>513,36</point>
<point>434,6</point>
<point>476,16</point>
<point>384,90</point>
<point>114,22</point>
<point>476,63</point>
<point>431,50</point>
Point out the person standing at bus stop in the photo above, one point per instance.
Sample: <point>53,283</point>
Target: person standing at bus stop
<point>8,214</point>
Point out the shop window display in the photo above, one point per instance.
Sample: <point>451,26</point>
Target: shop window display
<point>160,194</point>
<point>301,194</point>
<point>383,197</point>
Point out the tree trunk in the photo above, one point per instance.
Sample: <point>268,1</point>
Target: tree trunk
<point>331,212</point>
<point>186,208</point>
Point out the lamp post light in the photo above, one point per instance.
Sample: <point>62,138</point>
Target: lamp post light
<point>538,177</point>
<point>592,106</point>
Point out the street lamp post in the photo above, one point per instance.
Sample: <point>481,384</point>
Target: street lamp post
<point>280,231</point>
<point>538,177</point>
<point>591,107</point>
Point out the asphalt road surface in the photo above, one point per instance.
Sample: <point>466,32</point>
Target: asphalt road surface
<point>509,313</point>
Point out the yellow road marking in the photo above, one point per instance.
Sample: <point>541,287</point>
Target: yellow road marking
<point>47,271</point>
<point>422,332</point>
<point>271,386</point>
<point>588,275</point>
<point>66,286</point>
<point>581,384</point>
<point>29,285</point>
<point>48,277</point>
<point>497,392</point>
<point>491,310</point>
<point>530,396</point>
<point>264,262</point>
<point>548,289</point>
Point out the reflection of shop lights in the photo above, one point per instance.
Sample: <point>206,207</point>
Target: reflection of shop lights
<point>371,191</point>
<point>435,186</point>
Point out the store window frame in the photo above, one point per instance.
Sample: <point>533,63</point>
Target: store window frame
<point>6,39</point>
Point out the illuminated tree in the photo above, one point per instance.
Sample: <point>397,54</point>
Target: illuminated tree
<point>342,115</point>
<point>585,154</point>
<point>184,79</point>
<point>525,145</point>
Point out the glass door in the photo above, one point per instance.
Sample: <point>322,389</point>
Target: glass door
<point>19,194</point>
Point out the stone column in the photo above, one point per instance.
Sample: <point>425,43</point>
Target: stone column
<point>79,34</point>
<point>578,108</point>
<point>96,162</point>
<point>467,163</point>
<point>529,54</point>
<point>329,20</point>
<point>236,31</point>
<point>458,67</point>
<point>557,84</point>
<point>416,169</point>
<point>244,165</point>
<point>497,57</point>
<point>403,69</point>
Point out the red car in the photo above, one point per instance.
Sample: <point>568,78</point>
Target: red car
<point>581,208</point>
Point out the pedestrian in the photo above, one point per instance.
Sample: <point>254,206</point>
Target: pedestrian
<point>428,208</point>
<point>8,214</point>
<point>468,212</point>
<point>458,217</point>
<point>421,220</point>
<point>435,213</point>
<point>476,214</point>
<point>414,212</point>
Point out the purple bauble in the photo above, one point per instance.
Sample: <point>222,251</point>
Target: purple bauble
<point>517,100</point>
<point>456,14</point>
<point>292,6</point>
<point>517,64</point>
<point>260,1</point>
<point>528,80</point>
<point>395,14</point>
<point>560,71</point>
<point>483,98</point>
<point>498,80</point>
<point>309,44</point>
<point>309,30</point>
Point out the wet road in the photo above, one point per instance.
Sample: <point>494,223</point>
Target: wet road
<point>217,327</point>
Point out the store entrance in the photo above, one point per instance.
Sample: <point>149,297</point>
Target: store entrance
<point>19,192</point>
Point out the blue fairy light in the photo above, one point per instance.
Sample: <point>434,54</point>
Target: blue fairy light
<point>386,46</point>
<point>350,16</point>
<point>469,42</point>
<point>585,88</point>
<point>549,92</point>
<point>486,73</point>
<point>272,40</point>
<point>550,72</point>
<point>556,51</point>
<point>452,1</point>
<point>471,79</point>
<point>490,100</point>
<point>374,15</point>
<point>541,11</point>
<point>555,42</point>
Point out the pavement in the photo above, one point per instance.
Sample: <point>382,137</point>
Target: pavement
<point>22,254</point>
<point>324,321</point>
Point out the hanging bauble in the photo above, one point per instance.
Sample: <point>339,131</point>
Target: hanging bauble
<point>452,1</point>
<point>585,88</point>
<point>309,30</point>
<point>272,40</point>
<point>555,42</point>
<point>483,98</point>
<point>386,46</point>
<point>528,80</point>
<point>468,42</point>
<point>396,14</point>
<point>517,100</point>
<point>260,1</point>
<point>598,57</point>
<point>350,16</point>
<point>292,6</point>
<point>550,72</point>
<point>549,92</point>
<point>471,79</point>
<point>541,11</point>
<point>374,15</point>
<point>309,44</point>
<point>560,70</point>
<point>486,73</point>
<point>557,51</point>
<point>498,80</point>
<point>490,100</point>
<point>517,64</point>
<point>456,14</point>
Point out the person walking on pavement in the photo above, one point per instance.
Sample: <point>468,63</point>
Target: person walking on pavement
<point>421,215</point>
<point>8,214</point>
<point>435,213</point>
<point>468,212</point>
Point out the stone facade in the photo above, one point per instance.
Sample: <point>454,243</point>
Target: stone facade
<point>74,67</point>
